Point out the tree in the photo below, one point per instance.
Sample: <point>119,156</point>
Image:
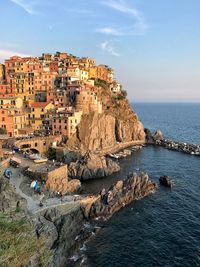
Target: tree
<point>3,131</point>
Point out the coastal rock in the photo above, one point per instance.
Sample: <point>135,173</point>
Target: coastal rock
<point>166,181</point>
<point>149,137</point>
<point>158,135</point>
<point>9,199</point>
<point>60,228</point>
<point>122,193</point>
<point>92,166</point>
<point>73,186</point>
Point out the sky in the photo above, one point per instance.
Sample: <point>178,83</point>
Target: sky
<point>153,45</point>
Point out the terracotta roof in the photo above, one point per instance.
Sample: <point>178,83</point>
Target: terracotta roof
<point>39,104</point>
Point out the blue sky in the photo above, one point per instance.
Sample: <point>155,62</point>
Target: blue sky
<point>153,45</point>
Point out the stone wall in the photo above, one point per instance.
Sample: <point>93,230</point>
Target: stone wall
<point>87,101</point>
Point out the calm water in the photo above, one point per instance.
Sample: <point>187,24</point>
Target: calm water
<point>164,228</point>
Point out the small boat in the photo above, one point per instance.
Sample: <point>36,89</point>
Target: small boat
<point>114,156</point>
<point>34,156</point>
<point>40,160</point>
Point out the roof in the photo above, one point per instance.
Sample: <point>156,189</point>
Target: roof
<point>39,104</point>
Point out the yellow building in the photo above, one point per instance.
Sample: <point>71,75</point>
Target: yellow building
<point>36,114</point>
<point>2,72</point>
<point>101,72</point>
<point>21,66</point>
<point>93,72</point>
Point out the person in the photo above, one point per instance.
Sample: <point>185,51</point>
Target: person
<point>36,186</point>
<point>18,204</point>
<point>61,196</point>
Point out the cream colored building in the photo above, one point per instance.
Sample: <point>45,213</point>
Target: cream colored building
<point>11,101</point>
<point>73,122</point>
<point>77,73</point>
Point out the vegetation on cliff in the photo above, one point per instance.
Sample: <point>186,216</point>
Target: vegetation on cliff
<point>18,242</point>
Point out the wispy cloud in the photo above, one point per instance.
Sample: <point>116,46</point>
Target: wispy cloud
<point>109,31</point>
<point>107,46</point>
<point>27,5</point>
<point>4,54</point>
<point>139,25</point>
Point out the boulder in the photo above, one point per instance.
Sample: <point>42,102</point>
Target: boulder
<point>166,181</point>
<point>73,186</point>
<point>92,166</point>
<point>158,135</point>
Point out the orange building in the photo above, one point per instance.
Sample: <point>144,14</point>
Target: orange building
<point>12,121</point>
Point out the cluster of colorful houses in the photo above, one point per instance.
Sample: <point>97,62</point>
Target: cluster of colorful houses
<point>50,93</point>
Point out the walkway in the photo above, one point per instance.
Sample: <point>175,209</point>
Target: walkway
<point>120,146</point>
<point>33,202</point>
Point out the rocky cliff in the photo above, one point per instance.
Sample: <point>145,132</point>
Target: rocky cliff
<point>117,123</point>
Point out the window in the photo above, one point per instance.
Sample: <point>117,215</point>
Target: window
<point>35,144</point>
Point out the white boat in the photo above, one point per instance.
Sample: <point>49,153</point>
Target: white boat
<point>40,160</point>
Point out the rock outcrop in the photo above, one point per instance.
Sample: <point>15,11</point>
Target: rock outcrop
<point>9,199</point>
<point>92,166</point>
<point>117,123</point>
<point>158,135</point>
<point>122,193</point>
<point>151,138</point>
<point>166,181</point>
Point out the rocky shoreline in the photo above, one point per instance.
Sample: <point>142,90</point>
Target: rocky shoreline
<point>66,232</point>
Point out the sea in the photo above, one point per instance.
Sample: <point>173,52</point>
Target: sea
<point>162,229</point>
